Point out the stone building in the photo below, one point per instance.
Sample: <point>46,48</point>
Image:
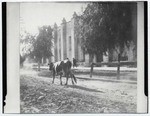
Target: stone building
<point>66,45</point>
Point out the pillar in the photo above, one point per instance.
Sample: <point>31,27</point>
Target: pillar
<point>87,58</point>
<point>72,39</point>
<point>94,59</point>
<point>53,51</point>
<point>58,47</point>
<point>61,42</point>
<point>55,43</point>
<point>68,45</point>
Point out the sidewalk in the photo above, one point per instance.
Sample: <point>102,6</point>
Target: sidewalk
<point>124,69</point>
<point>107,68</point>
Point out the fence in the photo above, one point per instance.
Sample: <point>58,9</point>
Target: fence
<point>116,64</point>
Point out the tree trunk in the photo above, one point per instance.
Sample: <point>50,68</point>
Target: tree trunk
<point>91,58</point>
<point>49,60</point>
<point>91,72</point>
<point>38,65</point>
<point>118,67</point>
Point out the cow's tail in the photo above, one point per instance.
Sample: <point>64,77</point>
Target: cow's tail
<point>74,78</point>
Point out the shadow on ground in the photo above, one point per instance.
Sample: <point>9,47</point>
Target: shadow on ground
<point>107,80</point>
<point>83,88</point>
<point>131,78</point>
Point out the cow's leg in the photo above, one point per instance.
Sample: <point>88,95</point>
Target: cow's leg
<point>60,79</point>
<point>53,77</point>
<point>66,80</point>
<point>72,79</point>
<point>71,76</point>
<point>67,76</point>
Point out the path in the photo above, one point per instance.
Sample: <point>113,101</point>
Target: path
<point>39,95</point>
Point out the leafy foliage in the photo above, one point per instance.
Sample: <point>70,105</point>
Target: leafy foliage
<point>43,43</point>
<point>22,59</point>
<point>107,26</point>
<point>26,42</point>
<point>39,46</point>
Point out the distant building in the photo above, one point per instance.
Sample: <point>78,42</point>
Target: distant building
<point>67,45</point>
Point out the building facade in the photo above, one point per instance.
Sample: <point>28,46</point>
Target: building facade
<point>66,45</point>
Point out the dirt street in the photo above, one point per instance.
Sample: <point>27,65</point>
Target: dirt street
<point>89,95</point>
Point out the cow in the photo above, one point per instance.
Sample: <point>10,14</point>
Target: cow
<point>62,68</point>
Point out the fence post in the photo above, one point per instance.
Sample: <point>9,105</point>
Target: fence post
<point>118,67</point>
<point>92,65</point>
<point>38,65</point>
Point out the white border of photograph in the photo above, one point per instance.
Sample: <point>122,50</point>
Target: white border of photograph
<point>13,80</point>
<point>13,57</point>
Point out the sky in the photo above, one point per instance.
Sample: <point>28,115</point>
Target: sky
<point>34,15</point>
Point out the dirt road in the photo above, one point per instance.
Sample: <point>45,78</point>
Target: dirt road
<point>39,95</point>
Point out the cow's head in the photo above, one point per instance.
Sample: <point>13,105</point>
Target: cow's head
<point>51,66</point>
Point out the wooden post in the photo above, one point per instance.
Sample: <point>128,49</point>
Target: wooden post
<point>118,67</point>
<point>38,66</point>
<point>92,65</point>
<point>39,61</point>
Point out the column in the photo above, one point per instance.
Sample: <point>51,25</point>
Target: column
<point>61,42</point>
<point>94,59</point>
<point>72,40</point>
<point>67,46</point>
<point>58,54</point>
<point>55,42</point>
<point>53,52</point>
<point>87,58</point>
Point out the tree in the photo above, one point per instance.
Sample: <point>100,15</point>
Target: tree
<point>22,59</point>
<point>107,26</point>
<point>38,46</point>
<point>26,44</point>
<point>43,44</point>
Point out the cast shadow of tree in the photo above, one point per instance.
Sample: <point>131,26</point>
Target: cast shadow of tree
<point>84,88</point>
<point>107,80</point>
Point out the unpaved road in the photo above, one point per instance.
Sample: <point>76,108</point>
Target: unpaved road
<point>89,95</point>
